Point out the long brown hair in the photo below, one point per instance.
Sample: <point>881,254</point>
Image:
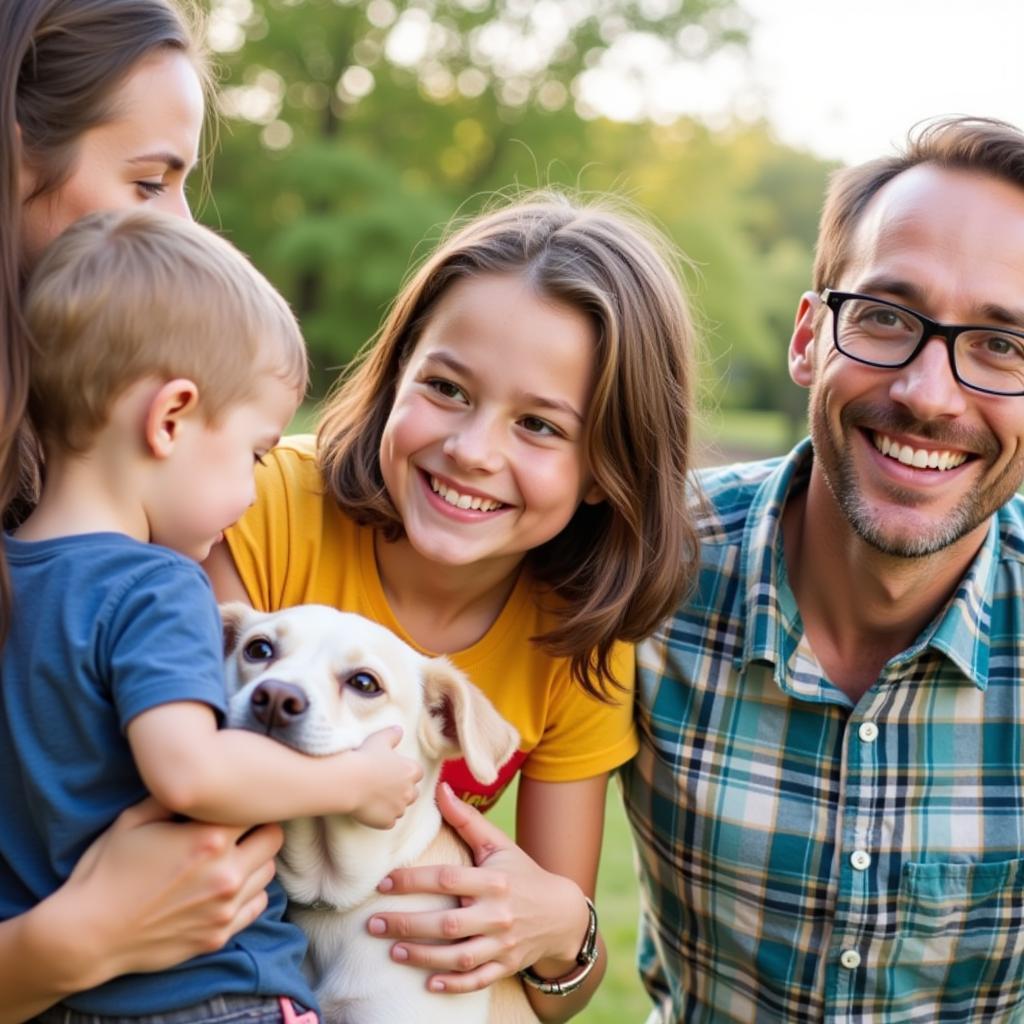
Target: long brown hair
<point>618,567</point>
<point>61,61</point>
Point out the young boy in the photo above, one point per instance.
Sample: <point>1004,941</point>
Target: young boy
<point>165,366</point>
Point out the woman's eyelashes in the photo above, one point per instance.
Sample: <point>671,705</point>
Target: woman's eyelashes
<point>151,189</point>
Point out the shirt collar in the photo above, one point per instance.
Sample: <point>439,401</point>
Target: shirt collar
<point>774,630</point>
<point>773,627</point>
<point>961,632</point>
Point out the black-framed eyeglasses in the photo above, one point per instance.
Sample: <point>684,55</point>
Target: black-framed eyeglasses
<point>881,333</point>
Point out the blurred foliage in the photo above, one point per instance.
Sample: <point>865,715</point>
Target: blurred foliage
<point>354,131</point>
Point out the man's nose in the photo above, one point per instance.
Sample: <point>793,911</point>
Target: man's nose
<point>927,386</point>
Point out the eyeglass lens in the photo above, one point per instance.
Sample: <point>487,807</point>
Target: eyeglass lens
<point>884,335</point>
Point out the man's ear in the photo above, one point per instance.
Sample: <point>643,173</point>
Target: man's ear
<point>169,407</point>
<point>801,343</point>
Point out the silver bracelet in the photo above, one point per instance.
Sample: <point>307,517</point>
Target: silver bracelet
<point>585,960</point>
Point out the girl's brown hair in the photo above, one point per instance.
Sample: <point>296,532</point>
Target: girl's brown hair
<point>618,567</point>
<point>61,61</point>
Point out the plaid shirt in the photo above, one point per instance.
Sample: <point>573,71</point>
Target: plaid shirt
<point>806,859</point>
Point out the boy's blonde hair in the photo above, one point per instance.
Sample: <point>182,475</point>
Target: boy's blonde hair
<point>619,567</point>
<point>120,297</point>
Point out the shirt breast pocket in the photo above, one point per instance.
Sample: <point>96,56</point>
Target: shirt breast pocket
<point>961,935</point>
<point>972,903</point>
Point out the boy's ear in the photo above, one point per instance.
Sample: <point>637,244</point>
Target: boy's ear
<point>169,407</point>
<point>801,344</point>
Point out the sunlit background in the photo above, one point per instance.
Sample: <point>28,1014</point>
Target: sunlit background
<point>352,131</point>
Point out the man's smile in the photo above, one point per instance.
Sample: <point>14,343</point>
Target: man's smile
<point>918,457</point>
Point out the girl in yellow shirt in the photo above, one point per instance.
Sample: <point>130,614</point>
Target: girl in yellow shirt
<point>501,479</point>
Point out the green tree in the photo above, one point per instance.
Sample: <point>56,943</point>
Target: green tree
<point>355,129</point>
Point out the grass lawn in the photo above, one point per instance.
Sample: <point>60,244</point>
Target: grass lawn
<point>621,998</point>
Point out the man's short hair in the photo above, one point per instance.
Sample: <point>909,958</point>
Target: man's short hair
<point>120,297</point>
<point>961,143</point>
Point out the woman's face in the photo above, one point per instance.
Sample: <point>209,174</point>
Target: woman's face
<point>141,156</point>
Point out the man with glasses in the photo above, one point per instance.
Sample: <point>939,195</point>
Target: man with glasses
<point>828,801</point>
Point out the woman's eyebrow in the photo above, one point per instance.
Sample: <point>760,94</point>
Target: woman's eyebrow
<point>172,160</point>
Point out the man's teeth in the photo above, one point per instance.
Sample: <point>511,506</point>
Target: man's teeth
<point>919,458</point>
<point>453,497</point>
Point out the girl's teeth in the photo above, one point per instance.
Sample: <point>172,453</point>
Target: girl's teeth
<point>463,501</point>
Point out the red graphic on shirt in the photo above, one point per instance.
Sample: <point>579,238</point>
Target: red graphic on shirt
<point>469,789</point>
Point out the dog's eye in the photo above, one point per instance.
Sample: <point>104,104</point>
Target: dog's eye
<point>364,683</point>
<point>259,649</point>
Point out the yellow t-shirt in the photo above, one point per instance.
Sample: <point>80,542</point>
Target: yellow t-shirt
<point>295,546</point>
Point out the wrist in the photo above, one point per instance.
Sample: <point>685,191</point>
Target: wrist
<point>557,976</point>
<point>349,787</point>
<point>549,968</point>
<point>576,915</point>
<point>57,932</point>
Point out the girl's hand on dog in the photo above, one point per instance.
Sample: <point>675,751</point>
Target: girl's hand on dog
<point>384,782</point>
<point>513,913</point>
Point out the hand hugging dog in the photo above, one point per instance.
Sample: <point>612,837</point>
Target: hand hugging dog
<point>323,681</point>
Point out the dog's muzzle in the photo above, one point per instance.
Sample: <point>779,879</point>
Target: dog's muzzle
<point>276,704</point>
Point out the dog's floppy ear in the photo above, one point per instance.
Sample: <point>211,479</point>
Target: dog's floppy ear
<point>459,719</point>
<point>234,616</point>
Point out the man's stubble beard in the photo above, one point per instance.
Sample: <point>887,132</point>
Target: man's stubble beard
<point>840,476</point>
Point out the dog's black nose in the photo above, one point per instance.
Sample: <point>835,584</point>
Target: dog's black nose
<point>277,704</point>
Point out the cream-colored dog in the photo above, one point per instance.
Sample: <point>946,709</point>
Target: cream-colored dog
<point>322,681</point>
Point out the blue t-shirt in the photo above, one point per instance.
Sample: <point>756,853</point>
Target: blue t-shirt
<point>103,628</point>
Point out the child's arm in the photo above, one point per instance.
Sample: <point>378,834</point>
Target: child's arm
<point>521,905</point>
<point>146,895</point>
<point>238,777</point>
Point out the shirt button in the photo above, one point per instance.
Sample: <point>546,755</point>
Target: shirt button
<point>868,732</point>
<point>850,959</point>
<point>861,860</point>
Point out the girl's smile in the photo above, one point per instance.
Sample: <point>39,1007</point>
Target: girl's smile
<point>462,499</point>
